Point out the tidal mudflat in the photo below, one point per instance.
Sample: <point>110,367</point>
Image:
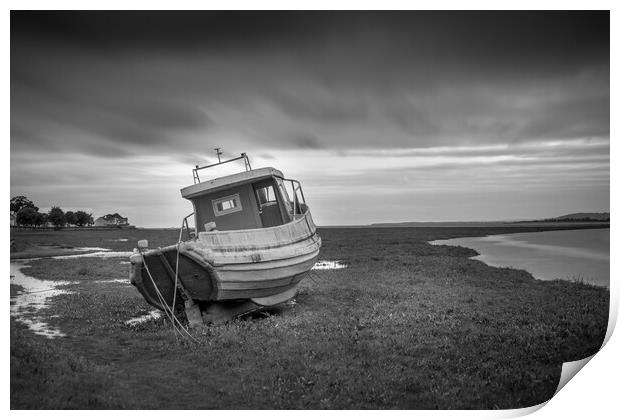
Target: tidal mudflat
<point>401,324</point>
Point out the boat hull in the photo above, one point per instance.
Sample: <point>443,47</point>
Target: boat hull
<point>254,268</point>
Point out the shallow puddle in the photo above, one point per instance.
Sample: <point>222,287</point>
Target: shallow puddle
<point>329,265</point>
<point>27,302</point>
<point>98,254</point>
<point>122,281</point>
<point>138,320</point>
<point>89,248</point>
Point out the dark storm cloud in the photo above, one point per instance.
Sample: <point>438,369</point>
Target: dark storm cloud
<point>579,117</point>
<point>335,109</point>
<point>169,29</point>
<point>306,141</point>
<point>137,78</point>
<point>497,36</point>
<point>62,97</point>
<point>373,46</point>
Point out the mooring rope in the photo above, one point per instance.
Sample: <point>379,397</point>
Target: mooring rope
<point>176,269</point>
<point>158,293</point>
<point>169,312</point>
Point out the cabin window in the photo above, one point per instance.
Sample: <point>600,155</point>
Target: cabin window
<point>266,195</point>
<point>226,205</point>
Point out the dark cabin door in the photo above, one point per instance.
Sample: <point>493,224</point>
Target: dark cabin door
<point>267,201</point>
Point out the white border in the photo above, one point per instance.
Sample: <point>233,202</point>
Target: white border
<point>591,395</point>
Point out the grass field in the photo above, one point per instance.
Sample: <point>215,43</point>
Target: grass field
<point>405,325</point>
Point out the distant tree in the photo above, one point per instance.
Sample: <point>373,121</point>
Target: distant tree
<point>26,216</point>
<point>57,217</point>
<point>71,218</point>
<point>41,219</point>
<point>83,219</point>
<point>19,202</point>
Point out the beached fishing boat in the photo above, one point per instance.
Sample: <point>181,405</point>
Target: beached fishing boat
<point>253,242</point>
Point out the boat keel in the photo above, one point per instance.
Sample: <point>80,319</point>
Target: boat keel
<point>221,312</point>
<point>193,314</point>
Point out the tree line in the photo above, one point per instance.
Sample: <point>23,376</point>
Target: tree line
<point>27,214</point>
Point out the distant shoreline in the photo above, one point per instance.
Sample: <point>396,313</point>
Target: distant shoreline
<point>46,229</point>
<point>554,225</point>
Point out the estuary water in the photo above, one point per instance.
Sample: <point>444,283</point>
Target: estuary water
<point>562,254</point>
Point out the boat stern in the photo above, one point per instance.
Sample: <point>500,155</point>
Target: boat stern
<point>136,278</point>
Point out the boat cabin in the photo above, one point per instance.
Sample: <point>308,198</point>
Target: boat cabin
<point>252,199</point>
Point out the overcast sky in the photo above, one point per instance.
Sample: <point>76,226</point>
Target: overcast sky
<point>383,117</point>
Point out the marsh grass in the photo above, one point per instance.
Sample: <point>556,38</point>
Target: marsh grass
<point>406,325</point>
<point>86,269</point>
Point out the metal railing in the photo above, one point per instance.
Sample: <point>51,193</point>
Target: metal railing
<point>185,227</point>
<point>295,186</point>
<point>243,156</point>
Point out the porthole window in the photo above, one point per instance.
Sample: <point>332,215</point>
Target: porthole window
<point>227,205</point>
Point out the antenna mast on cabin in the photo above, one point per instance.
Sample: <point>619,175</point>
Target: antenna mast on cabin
<point>243,156</point>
